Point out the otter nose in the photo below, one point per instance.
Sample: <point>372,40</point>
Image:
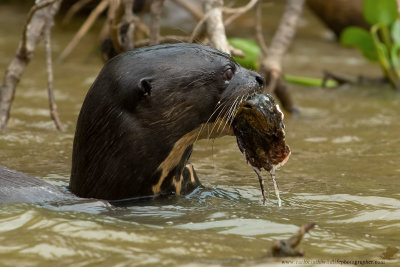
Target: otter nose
<point>259,79</point>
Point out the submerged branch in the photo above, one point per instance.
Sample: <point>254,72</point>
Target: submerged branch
<point>287,248</point>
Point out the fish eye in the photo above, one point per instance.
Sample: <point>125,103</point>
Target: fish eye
<point>228,74</point>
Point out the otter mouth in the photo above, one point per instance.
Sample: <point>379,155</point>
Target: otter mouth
<point>260,132</point>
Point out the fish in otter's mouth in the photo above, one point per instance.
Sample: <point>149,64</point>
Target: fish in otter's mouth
<point>260,134</point>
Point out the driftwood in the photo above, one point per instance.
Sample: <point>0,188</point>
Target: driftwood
<point>39,16</point>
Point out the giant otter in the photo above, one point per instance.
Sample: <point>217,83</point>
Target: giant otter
<point>140,118</point>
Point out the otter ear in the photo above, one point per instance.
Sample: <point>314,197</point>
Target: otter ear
<point>145,86</point>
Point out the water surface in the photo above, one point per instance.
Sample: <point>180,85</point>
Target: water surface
<point>343,174</point>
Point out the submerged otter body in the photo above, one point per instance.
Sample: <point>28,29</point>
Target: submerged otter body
<point>139,120</point>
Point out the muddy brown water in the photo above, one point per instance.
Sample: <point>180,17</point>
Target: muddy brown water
<point>343,174</point>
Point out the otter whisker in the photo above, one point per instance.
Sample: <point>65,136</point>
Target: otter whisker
<point>232,110</point>
<point>229,114</point>
<point>220,115</point>
<point>231,117</point>
<point>246,96</point>
<point>217,107</point>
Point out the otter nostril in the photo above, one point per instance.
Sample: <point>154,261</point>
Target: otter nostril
<point>260,80</point>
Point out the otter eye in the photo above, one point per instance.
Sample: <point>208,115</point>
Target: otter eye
<point>228,74</point>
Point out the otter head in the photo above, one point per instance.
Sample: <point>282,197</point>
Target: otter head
<point>143,113</point>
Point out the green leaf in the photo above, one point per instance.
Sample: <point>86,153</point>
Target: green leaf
<point>394,55</point>
<point>395,32</point>
<point>381,49</point>
<point>250,49</point>
<point>380,11</point>
<point>360,39</point>
<point>308,81</point>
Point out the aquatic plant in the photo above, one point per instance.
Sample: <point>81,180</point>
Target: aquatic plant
<point>381,43</point>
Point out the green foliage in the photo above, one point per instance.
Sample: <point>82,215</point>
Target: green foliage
<point>361,39</point>
<point>380,11</point>
<point>395,33</point>
<point>250,49</point>
<point>307,81</point>
<point>382,42</point>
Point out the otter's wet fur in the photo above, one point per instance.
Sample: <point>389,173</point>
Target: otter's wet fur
<point>141,116</point>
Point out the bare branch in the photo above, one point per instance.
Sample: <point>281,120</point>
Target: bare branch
<point>259,31</point>
<point>105,30</point>
<point>284,35</point>
<point>169,39</point>
<point>52,102</point>
<point>237,12</point>
<point>141,26</point>
<point>84,29</point>
<point>116,14</point>
<point>190,8</point>
<point>31,13</point>
<point>36,21</point>
<point>127,39</point>
<point>215,25</point>
<point>75,9</point>
<point>271,64</point>
<point>199,27</point>
<point>155,9</point>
